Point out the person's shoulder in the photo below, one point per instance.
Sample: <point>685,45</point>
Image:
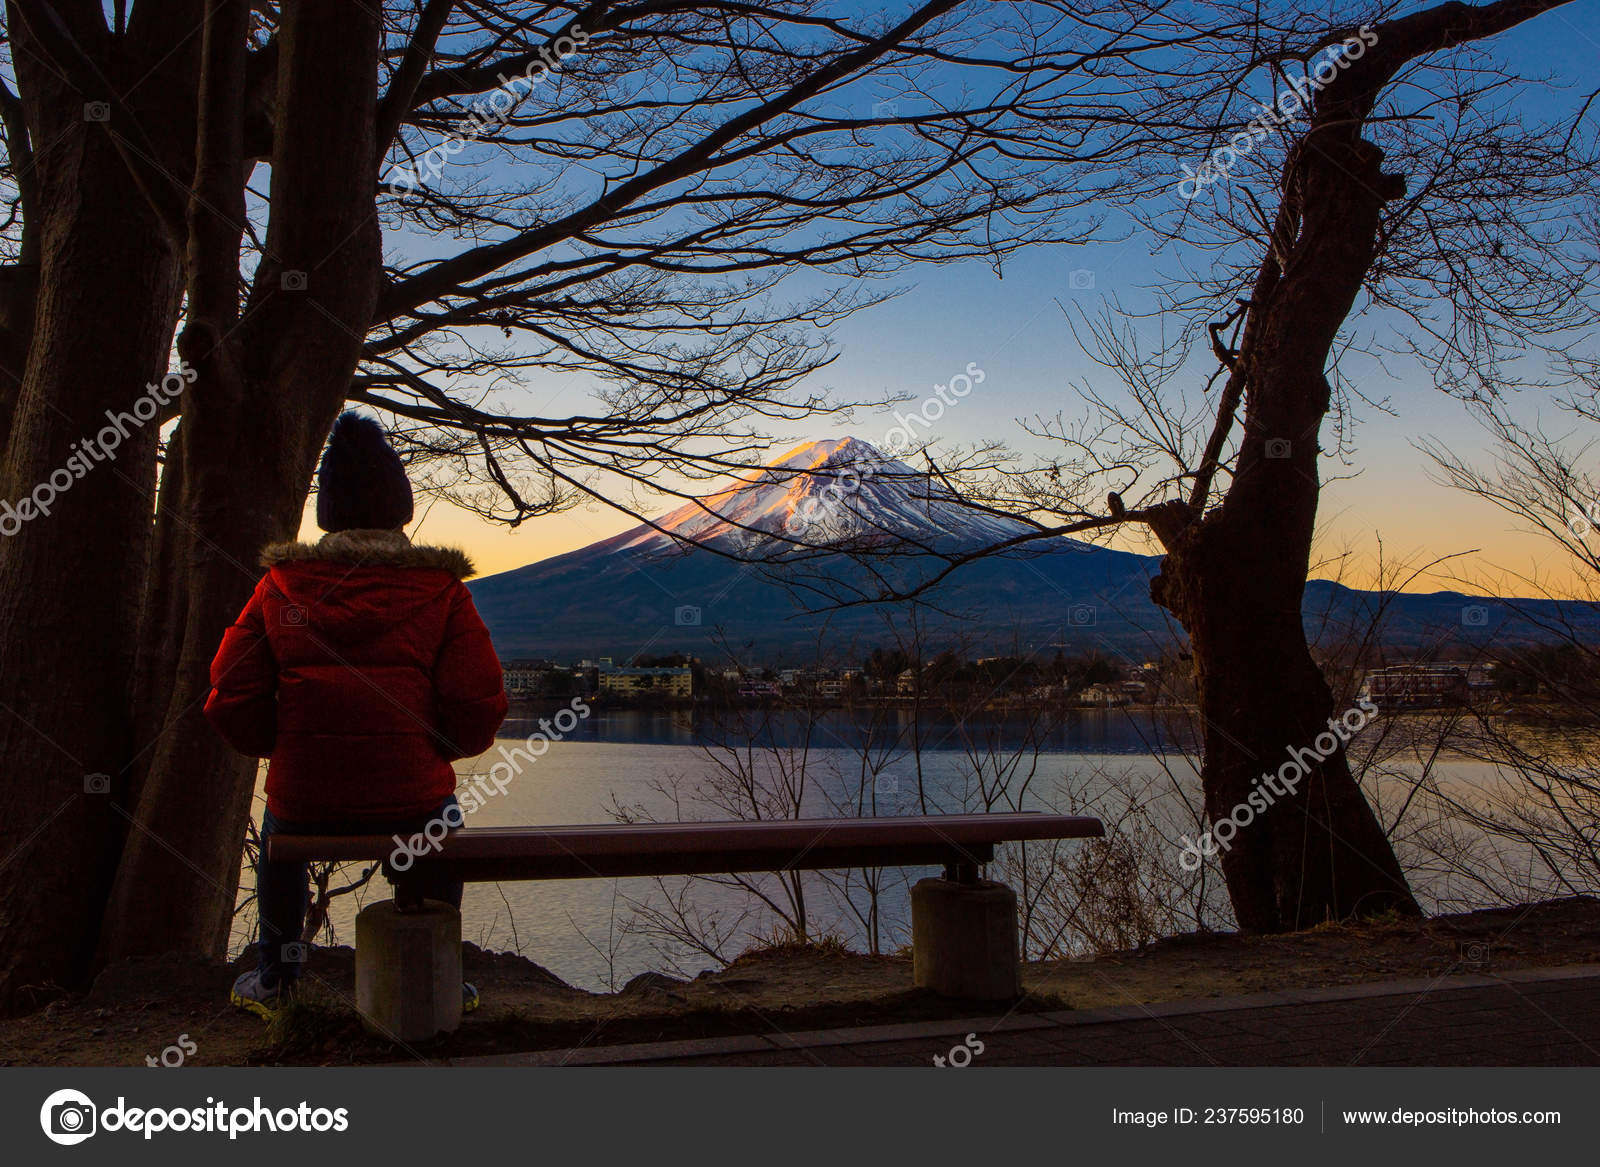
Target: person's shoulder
<point>370,549</point>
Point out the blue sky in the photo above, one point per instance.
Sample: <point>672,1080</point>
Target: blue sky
<point>1015,329</point>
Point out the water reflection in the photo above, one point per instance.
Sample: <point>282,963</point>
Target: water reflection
<point>1077,731</point>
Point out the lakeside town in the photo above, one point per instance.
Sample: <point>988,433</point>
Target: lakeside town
<point>1091,681</point>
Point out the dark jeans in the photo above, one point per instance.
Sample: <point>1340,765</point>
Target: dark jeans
<point>283,892</point>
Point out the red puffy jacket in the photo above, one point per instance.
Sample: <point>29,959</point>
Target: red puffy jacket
<point>361,666</point>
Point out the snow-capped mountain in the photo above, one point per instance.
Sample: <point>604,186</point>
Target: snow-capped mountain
<point>671,586</point>
<point>664,590</point>
<point>825,492</point>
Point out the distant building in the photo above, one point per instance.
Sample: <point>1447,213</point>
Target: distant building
<point>526,676</point>
<point>1104,695</point>
<point>662,682</point>
<point>1417,686</point>
<point>1481,678</point>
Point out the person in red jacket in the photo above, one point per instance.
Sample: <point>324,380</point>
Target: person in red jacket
<point>361,668</point>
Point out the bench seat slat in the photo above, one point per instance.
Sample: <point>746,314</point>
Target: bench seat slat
<point>621,849</point>
<point>509,868</point>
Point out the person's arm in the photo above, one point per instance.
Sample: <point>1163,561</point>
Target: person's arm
<point>467,682</point>
<point>243,704</point>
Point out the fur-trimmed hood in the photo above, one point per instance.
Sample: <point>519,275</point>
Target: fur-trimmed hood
<point>361,547</point>
<point>362,668</point>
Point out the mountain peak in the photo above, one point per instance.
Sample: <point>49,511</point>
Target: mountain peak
<point>824,491</point>
<point>828,452</point>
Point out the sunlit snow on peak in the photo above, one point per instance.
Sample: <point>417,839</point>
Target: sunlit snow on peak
<point>823,492</point>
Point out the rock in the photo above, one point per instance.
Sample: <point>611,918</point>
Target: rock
<point>481,964</point>
<point>647,982</point>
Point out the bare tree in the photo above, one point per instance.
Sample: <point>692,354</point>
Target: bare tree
<point>1455,222</point>
<point>1413,207</point>
<point>1541,805</point>
<point>642,178</point>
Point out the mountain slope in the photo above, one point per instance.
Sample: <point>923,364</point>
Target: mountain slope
<point>830,489</point>
<point>643,591</point>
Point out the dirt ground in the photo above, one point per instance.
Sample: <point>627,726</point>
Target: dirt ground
<point>176,1011</point>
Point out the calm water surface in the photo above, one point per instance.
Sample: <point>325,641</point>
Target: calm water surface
<point>579,929</point>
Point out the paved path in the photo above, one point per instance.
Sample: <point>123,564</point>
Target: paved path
<point>1535,1017</point>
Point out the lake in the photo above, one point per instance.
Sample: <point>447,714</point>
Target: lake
<point>666,765</point>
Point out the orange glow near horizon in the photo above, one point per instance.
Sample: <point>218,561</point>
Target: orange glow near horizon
<point>1416,523</point>
<point>1388,526</point>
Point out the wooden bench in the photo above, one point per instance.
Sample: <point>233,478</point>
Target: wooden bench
<point>964,933</point>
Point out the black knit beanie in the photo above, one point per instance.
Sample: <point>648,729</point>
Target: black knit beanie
<point>362,482</point>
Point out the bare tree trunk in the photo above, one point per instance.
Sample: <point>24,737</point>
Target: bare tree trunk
<point>269,388</point>
<point>1236,578</point>
<point>1318,853</point>
<point>108,291</point>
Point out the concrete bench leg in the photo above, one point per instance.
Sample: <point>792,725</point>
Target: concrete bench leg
<point>408,970</point>
<point>964,939</point>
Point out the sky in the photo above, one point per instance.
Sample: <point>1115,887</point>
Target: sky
<point>1017,330</point>
<point>1019,335</point>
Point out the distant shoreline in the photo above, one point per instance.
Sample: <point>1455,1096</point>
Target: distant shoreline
<point>679,704</point>
<point>523,707</point>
